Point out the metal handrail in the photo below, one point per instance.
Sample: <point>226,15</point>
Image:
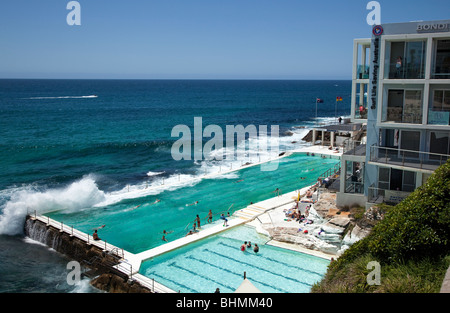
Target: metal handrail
<point>413,151</point>
<point>422,156</point>
<point>350,144</point>
<point>374,193</point>
<point>103,244</point>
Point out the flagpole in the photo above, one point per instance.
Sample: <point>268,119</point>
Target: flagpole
<point>335,111</point>
<point>316,112</point>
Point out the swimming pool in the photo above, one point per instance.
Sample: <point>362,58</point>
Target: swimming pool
<point>218,262</point>
<point>136,224</point>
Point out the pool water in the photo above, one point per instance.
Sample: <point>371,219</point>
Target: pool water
<point>218,262</point>
<point>136,224</point>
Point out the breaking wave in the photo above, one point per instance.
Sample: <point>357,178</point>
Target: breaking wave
<point>79,195</point>
<point>62,97</point>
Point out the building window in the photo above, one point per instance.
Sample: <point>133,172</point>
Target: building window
<point>441,69</point>
<point>439,111</point>
<point>395,179</point>
<point>363,60</point>
<point>403,106</point>
<point>439,144</point>
<point>354,178</point>
<point>410,141</point>
<point>361,101</point>
<point>405,59</point>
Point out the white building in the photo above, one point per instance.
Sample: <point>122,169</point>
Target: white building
<point>401,89</point>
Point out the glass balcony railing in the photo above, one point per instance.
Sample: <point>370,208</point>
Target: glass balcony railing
<point>399,115</point>
<point>379,195</point>
<point>405,72</point>
<point>354,187</point>
<point>407,158</point>
<point>363,72</point>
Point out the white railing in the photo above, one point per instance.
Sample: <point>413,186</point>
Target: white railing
<point>407,158</point>
<point>102,244</point>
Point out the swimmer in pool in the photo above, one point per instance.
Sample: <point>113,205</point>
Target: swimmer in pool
<point>99,227</point>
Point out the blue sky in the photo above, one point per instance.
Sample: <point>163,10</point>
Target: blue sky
<point>192,39</point>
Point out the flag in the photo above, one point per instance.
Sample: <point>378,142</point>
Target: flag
<point>338,98</point>
<point>318,100</point>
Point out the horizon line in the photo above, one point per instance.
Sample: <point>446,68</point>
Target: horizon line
<point>193,79</point>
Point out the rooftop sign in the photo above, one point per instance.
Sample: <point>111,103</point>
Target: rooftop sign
<point>432,27</point>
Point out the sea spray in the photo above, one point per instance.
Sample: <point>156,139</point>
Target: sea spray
<point>251,152</point>
<point>79,195</point>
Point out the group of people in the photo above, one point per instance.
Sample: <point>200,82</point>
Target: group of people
<point>209,218</point>
<point>295,214</point>
<point>248,245</point>
<point>196,223</point>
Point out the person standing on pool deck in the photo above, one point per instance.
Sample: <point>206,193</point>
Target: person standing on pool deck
<point>225,220</point>
<point>209,216</point>
<point>198,221</point>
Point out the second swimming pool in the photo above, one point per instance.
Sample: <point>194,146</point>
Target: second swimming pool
<point>218,262</point>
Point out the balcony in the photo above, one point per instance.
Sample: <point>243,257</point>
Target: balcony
<point>402,158</point>
<point>354,147</point>
<point>363,72</point>
<point>379,195</point>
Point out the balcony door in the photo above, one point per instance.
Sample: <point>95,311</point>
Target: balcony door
<point>395,179</point>
<point>406,59</point>
<point>410,141</point>
<point>403,106</point>
<point>439,144</point>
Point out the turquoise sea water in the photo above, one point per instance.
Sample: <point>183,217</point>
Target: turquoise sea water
<point>90,148</point>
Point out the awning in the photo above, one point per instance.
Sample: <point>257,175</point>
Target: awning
<point>247,287</point>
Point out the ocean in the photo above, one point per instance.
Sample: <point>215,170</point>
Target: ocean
<point>69,145</point>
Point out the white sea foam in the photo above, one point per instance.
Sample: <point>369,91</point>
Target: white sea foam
<point>34,242</point>
<point>62,97</point>
<point>83,286</point>
<point>150,173</point>
<point>83,194</point>
<point>79,195</point>
<point>251,151</point>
